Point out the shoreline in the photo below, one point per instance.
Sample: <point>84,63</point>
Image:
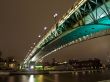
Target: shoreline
<point>47,72</point>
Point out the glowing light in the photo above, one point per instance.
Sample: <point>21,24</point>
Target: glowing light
<point>55,15</point>
<point>39,36</point>
<point>102,15</point>
<point>31,79</point>
<point>55,50</point>
<point>80,39</point>
<point>76,73</point>
<point>39,66</point>
<point>45,28</point>
<point>84,37</point>
<point>12,65</point>
<point>40,78</point>
<point>65,62</point>
<point>34,43</point>
<point>24,79</point>
<point>34,58</point>
<point>32,67</point>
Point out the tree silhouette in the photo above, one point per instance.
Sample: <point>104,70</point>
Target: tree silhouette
<point>1,59</point>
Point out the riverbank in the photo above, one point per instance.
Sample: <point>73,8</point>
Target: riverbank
<point>46,72</point>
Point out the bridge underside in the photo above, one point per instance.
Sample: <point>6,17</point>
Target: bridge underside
<point>75,36</point>
<point>76,29</point>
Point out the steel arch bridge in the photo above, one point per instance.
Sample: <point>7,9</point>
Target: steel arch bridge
<point>87,19</point>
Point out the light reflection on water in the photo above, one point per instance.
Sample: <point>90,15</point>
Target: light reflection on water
<point>24,78</point>
<point>31,78</point>
<point>11,79</point>
<point>37,78</point>
<point>89,76</point>
<point>56,77</point>
<point>40,78</point>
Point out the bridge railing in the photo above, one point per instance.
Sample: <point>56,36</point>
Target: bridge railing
<point>76,5</point>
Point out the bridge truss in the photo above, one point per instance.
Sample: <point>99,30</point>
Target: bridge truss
<point>87,19</point>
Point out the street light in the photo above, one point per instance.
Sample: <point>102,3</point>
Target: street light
<point>55,15</point>
<point>32,67</point>
<point>34,43</point>
<point>45,28</point>
<point>39,36</point>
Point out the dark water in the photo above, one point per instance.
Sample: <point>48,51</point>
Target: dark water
<point>103,76</point>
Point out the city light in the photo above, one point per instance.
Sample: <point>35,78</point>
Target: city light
<point>86,60</point>
<point>32,67</point>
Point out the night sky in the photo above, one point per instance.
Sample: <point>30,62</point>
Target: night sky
<point>22,21</point>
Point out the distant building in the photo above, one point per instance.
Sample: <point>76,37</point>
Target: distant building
<point>11,63</point>
<point>86,64</point>
<point>8,64</point>
<point>89,64</point>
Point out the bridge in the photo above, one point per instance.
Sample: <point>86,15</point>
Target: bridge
<point>86,19</point>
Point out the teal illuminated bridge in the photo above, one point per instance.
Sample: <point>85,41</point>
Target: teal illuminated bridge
<point>87,19</point>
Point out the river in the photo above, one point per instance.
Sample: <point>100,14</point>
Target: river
<point>102,76</point>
